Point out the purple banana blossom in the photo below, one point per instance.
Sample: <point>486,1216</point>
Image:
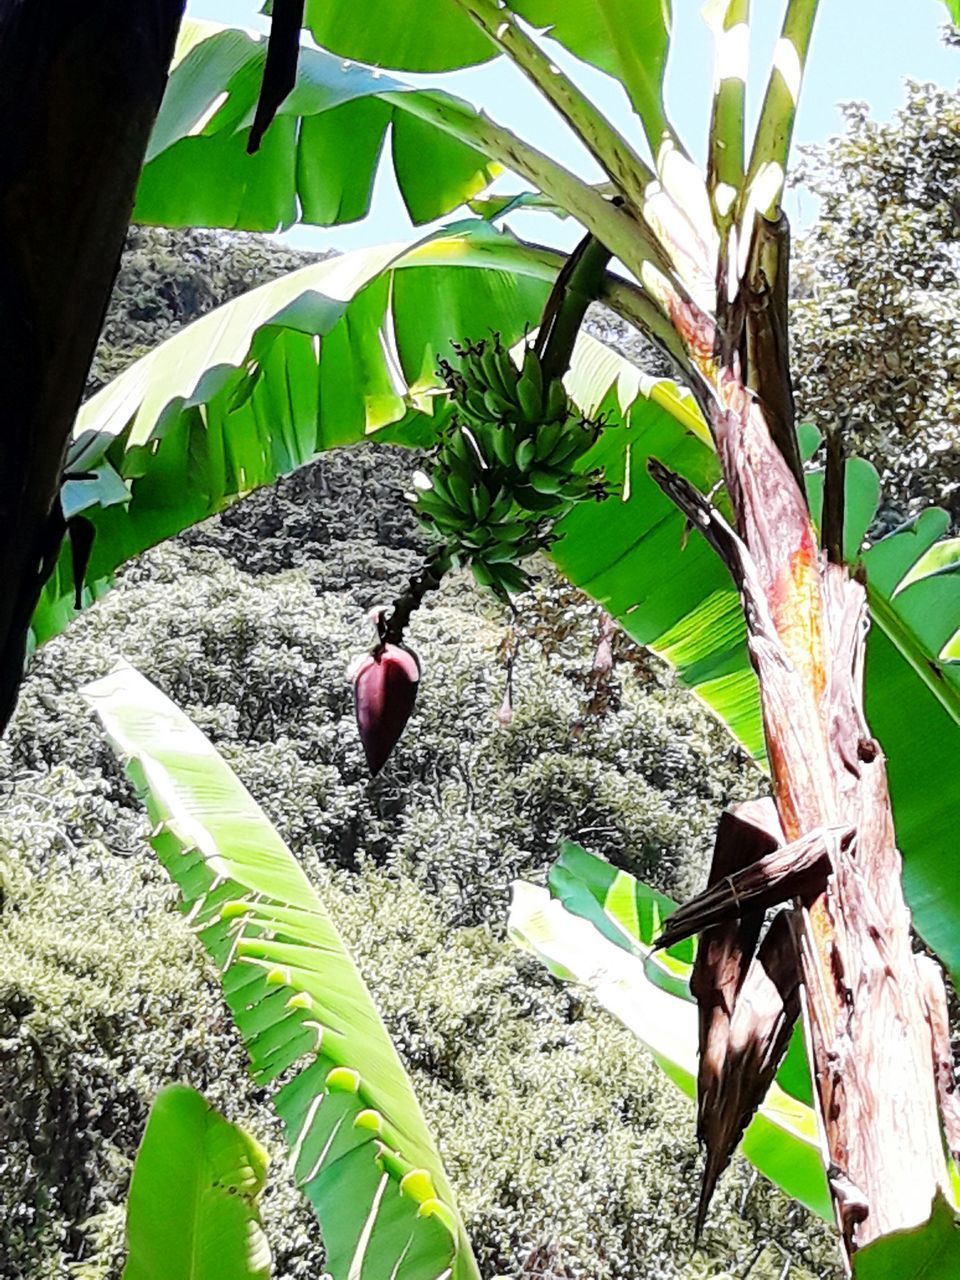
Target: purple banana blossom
<point>384,691</point>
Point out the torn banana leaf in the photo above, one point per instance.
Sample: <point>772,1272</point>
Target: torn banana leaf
<point>360,1148</point>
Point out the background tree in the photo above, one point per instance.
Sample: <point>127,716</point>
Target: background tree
<point>876,292</point>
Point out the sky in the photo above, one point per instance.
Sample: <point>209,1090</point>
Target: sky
<point>862,50</point>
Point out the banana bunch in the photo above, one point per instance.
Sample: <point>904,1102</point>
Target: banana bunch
<point>505,470</point>
<point>488,386</point>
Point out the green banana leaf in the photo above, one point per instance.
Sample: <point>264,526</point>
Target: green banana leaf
<point>929,1252</point>
<point>596,926</point>
<point>349,347</point>
<point>412,35</point>
<point>192,1211</point>
<point>360,1148</point>
<point>628,39</point>
<point>318,359</point>
<point>319,159</point>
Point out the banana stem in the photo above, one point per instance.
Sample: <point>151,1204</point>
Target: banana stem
<point>612,152</point>
<point>390,629</point>
<point>730,20</point>
<point>579,282</point>
<point>771,145</point>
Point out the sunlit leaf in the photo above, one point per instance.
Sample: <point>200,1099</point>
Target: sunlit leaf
<point>360,1148</point>
<point>318,160</point>
<point>412,35</point>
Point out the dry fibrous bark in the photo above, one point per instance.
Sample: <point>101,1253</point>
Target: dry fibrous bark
<point>841,948</point>
<point>80,85</point>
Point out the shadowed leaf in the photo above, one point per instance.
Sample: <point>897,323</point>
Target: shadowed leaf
<point>360,1148</point>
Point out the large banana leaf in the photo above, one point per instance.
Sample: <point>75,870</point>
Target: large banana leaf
<point>360,1148</point>
<point>348,347</point>
<point>596,926</point>
<point>318,359</point>
<point>192,1209</point>
<point>412,35</point>
<point>628,39</point>
<point>318,160</point>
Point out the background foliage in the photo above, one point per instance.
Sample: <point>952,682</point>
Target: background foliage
<point>877,294</point>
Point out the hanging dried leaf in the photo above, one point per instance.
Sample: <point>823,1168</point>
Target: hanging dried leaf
<point>764,1015</point>
<point>795,870</point>
<point>744,835</point>
<point>280,70</point>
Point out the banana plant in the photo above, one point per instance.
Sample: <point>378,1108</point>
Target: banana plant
<point>706,257</point>
<point>709,251</point>
<point>192,1209</point>
<point>360,1148</point>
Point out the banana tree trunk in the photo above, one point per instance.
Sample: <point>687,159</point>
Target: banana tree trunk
<point>80,85</point>
<point>869,1004</point>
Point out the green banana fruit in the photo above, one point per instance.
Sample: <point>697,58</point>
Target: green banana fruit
<point>483,573</point>
<point>547,439</point>
<point>501,506</point>
<point>460,488</point>
<point>530,399</point>
<point>505,443</point>
<point>493,371</point>
<point>573,444</point>
<point>545,481</point>
<point>511,577</point>
<point>509,373</point>
<point>510,533</point>
<point>524,455</point>
<point>533,500</point>
<point>558,405</point>
<point>480,501</point>
<point>498,406</point>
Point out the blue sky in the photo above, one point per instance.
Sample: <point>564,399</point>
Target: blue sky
<point>862,49</point>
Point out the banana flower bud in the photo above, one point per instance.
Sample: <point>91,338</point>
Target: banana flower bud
<point>384,691</point>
